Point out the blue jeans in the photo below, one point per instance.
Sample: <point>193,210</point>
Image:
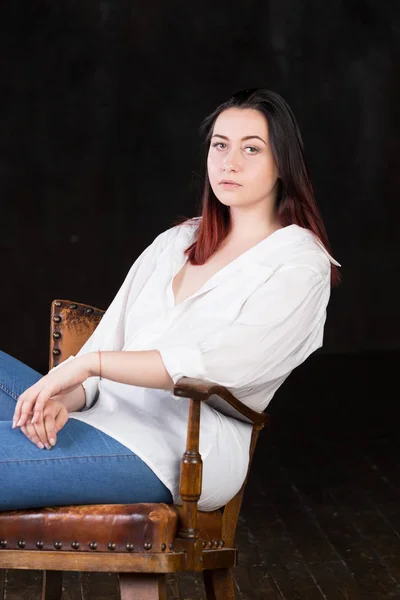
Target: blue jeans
<point>86,466</point>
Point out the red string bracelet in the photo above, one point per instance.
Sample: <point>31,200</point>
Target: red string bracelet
<point>99,363</point>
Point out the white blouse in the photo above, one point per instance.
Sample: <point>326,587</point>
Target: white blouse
<point>247,328</point>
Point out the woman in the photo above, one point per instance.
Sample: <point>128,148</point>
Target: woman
<point>237,296</point>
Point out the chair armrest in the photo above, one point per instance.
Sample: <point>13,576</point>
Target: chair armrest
<point>199,390</point>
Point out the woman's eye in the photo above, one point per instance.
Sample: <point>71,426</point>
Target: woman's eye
<point>219,145</point>
<point>253,149</point>
<point>248,149</point>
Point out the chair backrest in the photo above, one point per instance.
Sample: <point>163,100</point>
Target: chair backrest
<point>71,325</point>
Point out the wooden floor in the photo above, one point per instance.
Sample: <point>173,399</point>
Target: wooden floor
<point>321,515</point>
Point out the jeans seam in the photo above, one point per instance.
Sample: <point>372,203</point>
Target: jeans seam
<point>16,460</point>
<point>9,392</point>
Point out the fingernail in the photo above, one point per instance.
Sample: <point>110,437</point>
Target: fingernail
<point>14,424</point>
<point>48,447</point>
<point>40,445</point>
<point>52,441</point>
<point>19,422</point>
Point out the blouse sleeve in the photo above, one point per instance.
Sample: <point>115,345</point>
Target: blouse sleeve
<point>109,334</point>
<point>276,330</point>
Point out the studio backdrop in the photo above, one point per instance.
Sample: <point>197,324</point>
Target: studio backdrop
<point>100,107</point>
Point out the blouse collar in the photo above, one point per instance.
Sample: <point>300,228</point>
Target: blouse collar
<point>267,250</point>
<point>256,264</point>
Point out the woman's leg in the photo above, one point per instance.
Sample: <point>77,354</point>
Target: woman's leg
<point>85,467</point>
<point>15,378</point>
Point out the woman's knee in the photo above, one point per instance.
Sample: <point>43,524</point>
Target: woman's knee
<point>15,376</point>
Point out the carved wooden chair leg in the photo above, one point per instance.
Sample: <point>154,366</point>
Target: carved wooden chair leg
<point>219,584</point>
<point>52,585</point>
<point>142,586</point>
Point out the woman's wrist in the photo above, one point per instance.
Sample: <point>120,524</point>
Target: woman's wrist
<point>92,364</point>
<point>73,401</point>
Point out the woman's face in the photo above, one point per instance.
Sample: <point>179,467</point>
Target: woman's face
<point>240,153</point>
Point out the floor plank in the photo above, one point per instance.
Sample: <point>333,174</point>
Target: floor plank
<point>252,577</point>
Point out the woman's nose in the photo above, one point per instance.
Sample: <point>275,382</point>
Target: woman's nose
<point>231,162</point>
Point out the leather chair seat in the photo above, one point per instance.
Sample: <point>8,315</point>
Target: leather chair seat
<point>130,528</point>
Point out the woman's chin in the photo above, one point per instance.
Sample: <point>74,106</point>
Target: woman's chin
<point>229,198</point>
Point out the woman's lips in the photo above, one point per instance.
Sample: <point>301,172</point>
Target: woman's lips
<point>230,184</point>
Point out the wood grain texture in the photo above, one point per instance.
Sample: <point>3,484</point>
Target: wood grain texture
<point>142,587</point>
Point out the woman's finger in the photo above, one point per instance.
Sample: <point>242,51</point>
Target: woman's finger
<point>33,401</point>
<point>17,412</point>
<point>25,404</point>
<point>51,428</point>
<point>61,418</point>
<point>33,436</point>
<point>41,432</point>
<point>25,412</point>
<point>54,421</point>
<point>44,395</point>
<point>25,432</point>
<point>29,431</point>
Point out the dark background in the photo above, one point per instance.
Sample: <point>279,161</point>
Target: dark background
<point>100,104</point>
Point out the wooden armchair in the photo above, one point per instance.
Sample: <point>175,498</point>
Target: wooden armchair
<point>141,542</point>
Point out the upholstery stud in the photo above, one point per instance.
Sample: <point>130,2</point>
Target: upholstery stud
<point>171,546</point>
<point>111,546</point>
<point>74,306</point>
<point>56,352</point>
<point>222,543</point>
<point>216,543</point>
<point>75,545</point>
<point>57,303</point>
<point>3,543</point>
<point>57,545</point>
<point>203,544</point>
<point>210,544</point>
<point>56,335</point>
<point>163,547</point>
<point>57,319</point>
<point>147,546</point>
<point>39,545</point>
<point>129,547</point>
<point>21,544</point>
<point>89,311</point>
<point>92,545</point>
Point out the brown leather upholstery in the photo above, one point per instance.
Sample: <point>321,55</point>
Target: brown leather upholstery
<point>102,528</point>
<point>71,325</point>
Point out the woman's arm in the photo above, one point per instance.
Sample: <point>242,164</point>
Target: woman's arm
<point>140,368</point>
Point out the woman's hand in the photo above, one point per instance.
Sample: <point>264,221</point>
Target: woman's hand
<point>44,431</point>
<point>62,380</point>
